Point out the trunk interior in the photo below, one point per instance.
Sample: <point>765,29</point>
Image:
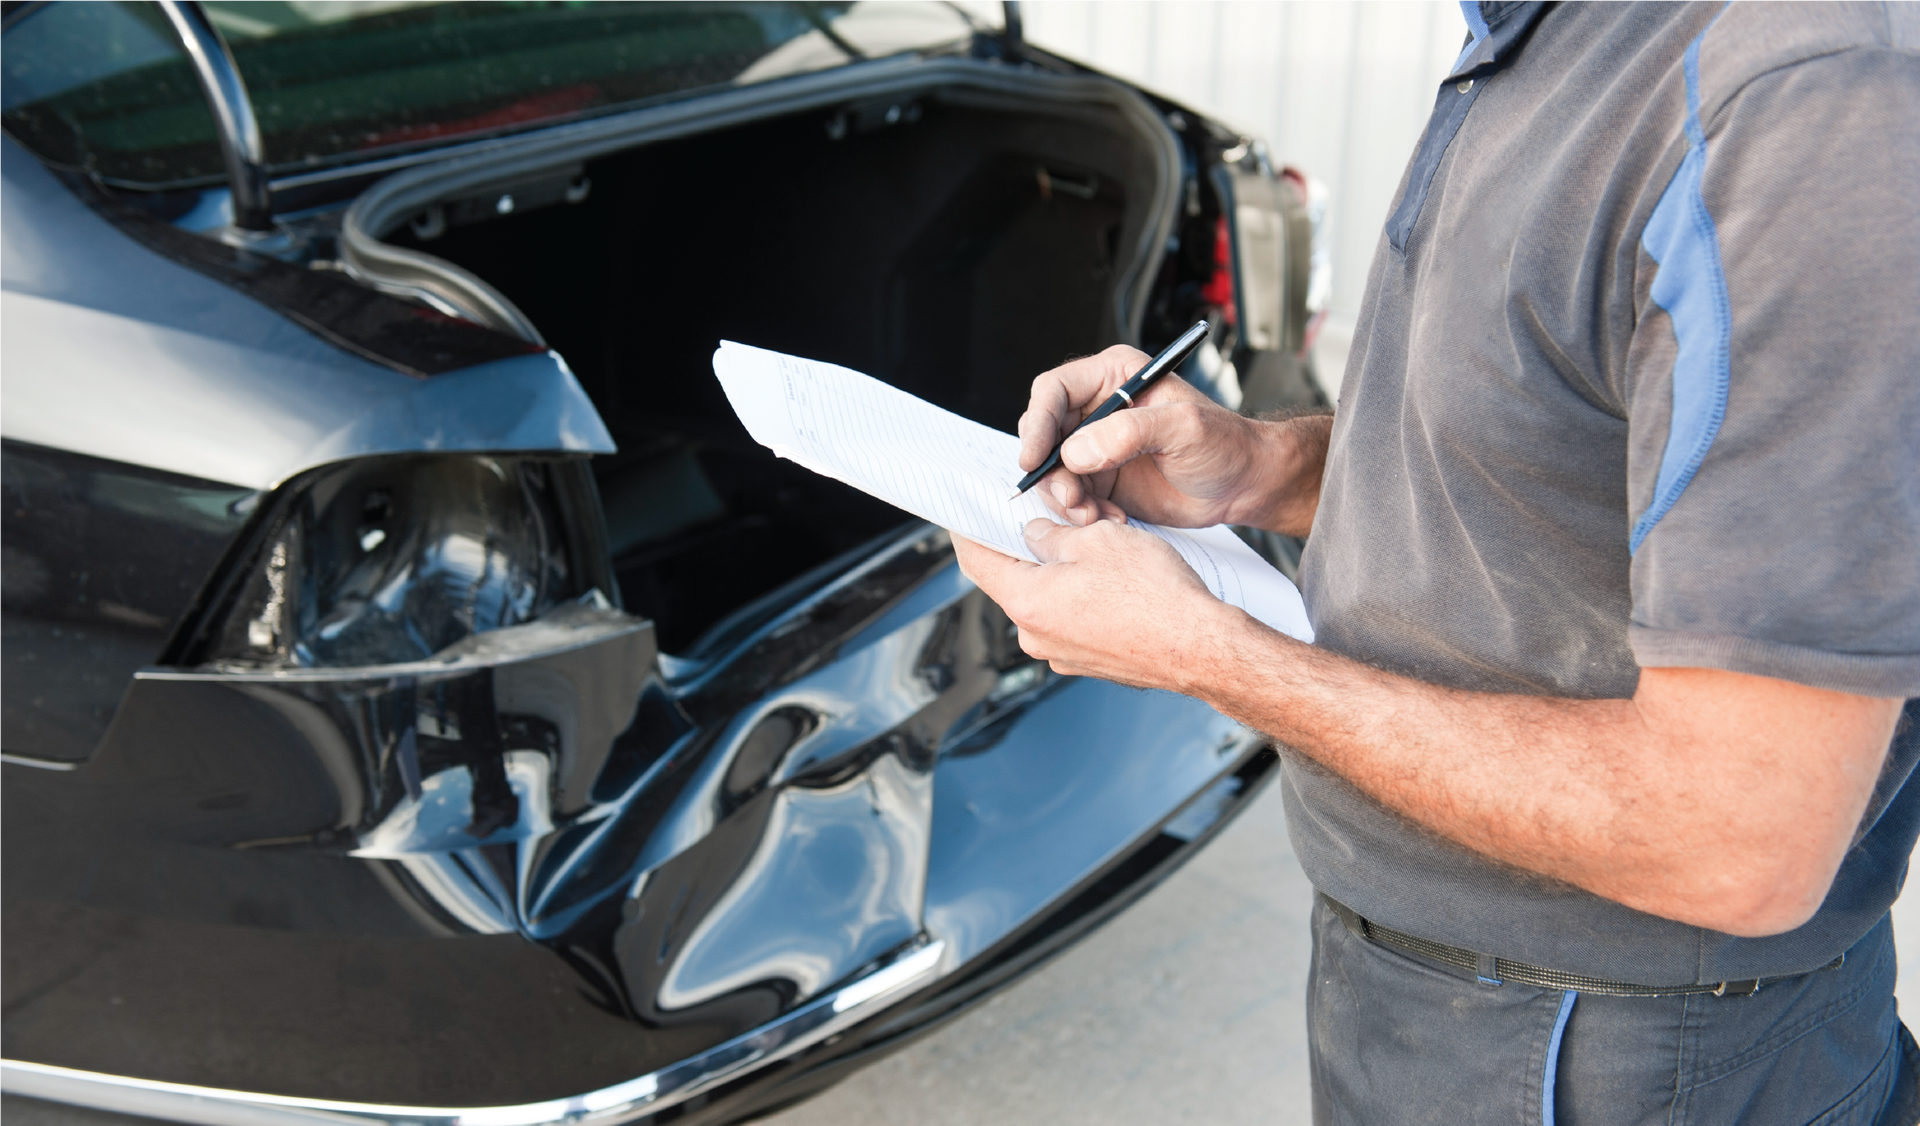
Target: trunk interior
<point>955,252</point>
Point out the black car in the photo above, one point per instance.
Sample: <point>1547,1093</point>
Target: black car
<point>404,723</point>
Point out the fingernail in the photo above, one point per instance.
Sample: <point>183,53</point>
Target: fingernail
<point>1077,447</point>
<point>1061,492</point>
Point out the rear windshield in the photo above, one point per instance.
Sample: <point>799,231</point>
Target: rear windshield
<point>105,87</point>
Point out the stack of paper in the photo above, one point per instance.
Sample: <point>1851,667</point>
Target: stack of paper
<point>949,470</point>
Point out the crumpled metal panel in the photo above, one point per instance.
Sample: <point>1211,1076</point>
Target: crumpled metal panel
<point>564,859</point>
<point>1034,804</point>
<point>836,879</point>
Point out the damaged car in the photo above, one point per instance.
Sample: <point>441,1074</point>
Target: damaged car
<point>423,702</point>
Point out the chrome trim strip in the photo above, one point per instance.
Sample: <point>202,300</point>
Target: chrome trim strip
<point>242,149</point>
<point>608,1106</point>
<point>40,763</point>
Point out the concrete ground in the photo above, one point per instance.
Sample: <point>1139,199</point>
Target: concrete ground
<point>1187,1008</point>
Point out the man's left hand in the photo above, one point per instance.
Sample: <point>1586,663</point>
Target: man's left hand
<point>1107,600</point>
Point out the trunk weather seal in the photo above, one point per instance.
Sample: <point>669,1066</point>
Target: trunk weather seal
<point>394,200</point>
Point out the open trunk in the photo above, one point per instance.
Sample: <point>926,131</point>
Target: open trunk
<point>632,888</point>
<point>937,239</point>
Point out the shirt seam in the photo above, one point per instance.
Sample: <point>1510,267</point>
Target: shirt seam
<point>1709,121</point>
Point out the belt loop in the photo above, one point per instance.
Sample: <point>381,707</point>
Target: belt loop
<point>1487,969</point>
<point>1738,988</point>
<point>1346,915</point>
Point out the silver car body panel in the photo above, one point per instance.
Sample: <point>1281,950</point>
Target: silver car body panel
<point>114,351</point>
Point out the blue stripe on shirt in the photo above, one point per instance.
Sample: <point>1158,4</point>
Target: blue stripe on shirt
<point>1550,1073</point>
<point>1692,287</point>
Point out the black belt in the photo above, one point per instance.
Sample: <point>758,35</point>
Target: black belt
<point>1495,971</point>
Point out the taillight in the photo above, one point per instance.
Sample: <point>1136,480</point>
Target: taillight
<point>1312,196</point>
<point>392,559</point>
<point>1219,290</point>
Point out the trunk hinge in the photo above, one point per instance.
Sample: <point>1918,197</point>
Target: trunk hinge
<point>239,131</point>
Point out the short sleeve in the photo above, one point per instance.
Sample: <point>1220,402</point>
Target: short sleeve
<point>1774,386</point>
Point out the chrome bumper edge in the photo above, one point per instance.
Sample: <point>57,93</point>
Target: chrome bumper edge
<point>609,1106</point>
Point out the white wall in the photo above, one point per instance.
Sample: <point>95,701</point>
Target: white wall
<point>1339,90</point>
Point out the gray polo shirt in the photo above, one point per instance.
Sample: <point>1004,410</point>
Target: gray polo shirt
<point>1636,383</point>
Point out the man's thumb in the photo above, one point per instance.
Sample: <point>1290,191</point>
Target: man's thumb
<point>1050,541</point>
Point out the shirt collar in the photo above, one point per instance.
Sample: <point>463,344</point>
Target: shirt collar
<point>1498,26</point>
<point>1476,23</point>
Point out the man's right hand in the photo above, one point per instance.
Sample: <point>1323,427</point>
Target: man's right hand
<point>1176,458</point>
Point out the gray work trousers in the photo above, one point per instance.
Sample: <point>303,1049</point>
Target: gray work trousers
<point>1397,1039</point>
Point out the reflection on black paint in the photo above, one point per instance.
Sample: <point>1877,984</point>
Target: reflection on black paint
<point>573,862</point>
<point>101,560</point>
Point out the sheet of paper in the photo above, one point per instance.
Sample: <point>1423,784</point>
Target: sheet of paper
<point>949,470</point>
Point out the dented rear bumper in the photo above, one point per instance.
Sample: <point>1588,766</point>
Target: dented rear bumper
<point>554,874</point>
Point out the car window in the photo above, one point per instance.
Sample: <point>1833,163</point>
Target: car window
<point>105,86</point>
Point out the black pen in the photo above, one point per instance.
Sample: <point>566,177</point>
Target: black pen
<point>1132,389</point>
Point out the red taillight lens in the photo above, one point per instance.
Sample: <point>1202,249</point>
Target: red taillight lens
<point>1219,288</point>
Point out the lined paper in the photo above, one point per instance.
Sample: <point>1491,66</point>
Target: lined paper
<point>950,470</point>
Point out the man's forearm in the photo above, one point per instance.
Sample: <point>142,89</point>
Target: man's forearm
<point>1702,799</point>
<point>1711,797</point>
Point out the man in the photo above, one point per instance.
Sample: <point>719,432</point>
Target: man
<point>1599,761</point>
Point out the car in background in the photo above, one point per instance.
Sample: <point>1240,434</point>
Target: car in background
<point>423,702</point>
